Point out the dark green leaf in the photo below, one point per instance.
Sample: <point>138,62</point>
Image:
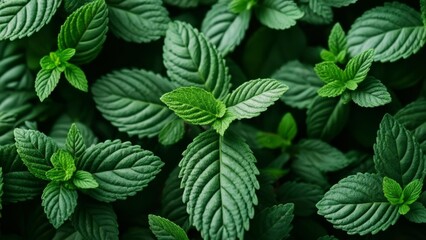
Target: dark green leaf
<point>75,142</point>
<point>278,14</point>
<point>165,229</point>
<point>59,203</point>
<point>303,195</point>
<point>46,81</point>
<point>76,77</point>
<point>172,132</point>
<point>287,127</point>
<point>413,118</point>
<point>417,213</point>
<point>371,93</point>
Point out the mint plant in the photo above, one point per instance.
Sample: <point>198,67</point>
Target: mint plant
<point>212,119</point>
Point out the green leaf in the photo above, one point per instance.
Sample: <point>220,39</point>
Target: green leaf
<point>222,124</point>
<point>254,97</point>
<point>371,93</point>
<point>84,180</point>
<point>376,27</point>
<point>130,100</point>
<point>329,72</point>
<point>412,191</point>
<point>397,154</point>
<point>76,77</point>
<point>47,63</point>
<point>35,150</point>
<point>67,231</point>
<point>45,82</point>
<point>22,18</point>
<point>417,213</point>
<point>75,142</point>
<point>278,14</point>
<point>95,220</point>
<point>191,60</point>
<point>120,169</point>
<point>223,28</point>
<point>270,140</point>
<point>65,54</point>
<point>183,3</point>
<point>172,132</point>
<point>413,118</point>
<point>392,191</point>
<point>61,127</point>
<point>337,39</point>
<point>403,209</point>
<point>63,166</point>
<point>303,195</point>
<point>273,223</point>
<point>316,12</point>
<point>149,20</point>
<point>339,3</point>
<point>287,127</point>
<point>85,31</point>
<point>165,229</point>
<point>332,89</point>
<point>358,67</point>
<point>239,6</point>
<point>356,205</point>
<point>59,203</point>
<point>194,105</point>
<point>219,180</point>
<point>302,83</point>
<point>326,117</point>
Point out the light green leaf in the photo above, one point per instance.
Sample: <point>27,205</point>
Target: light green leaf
<point>76,77</point>
<point>65,54</point>
<point>329,72</point>
<point>272,223</point>
<point>148,20</point>
<point>302,83</point>
<point>165,229</point>
<point>417,213</point>
<point>326,117</point>
<point>337,39</point>
<point>412,191</point>
<point>35,150</point>
<point>14,72</point>
<point>254,97</point>
<point>219,180</point>
<point>47,63</point>
<point>45,82</point>
<point>95,221</point>
<point>63,166</point>
<point>85,31</point>
<point>379,28</point>
<point>278,14</point>
<point>397,154</point>
<point>392,191</point>
<point>332,89</point>
<point>303,195</point>
<point>59,203</point>
<point>61,127</point>
<point>413,117</point>
<point>191,60</point>
<point>371,93</point>
<point>22,18</point>
<point>239,6</point>
<point>75,142</point>
<point>287,127</point>
<point>358,67</point>
<point>130,100</point>
<point>339,3</point>
<point>404,209</point>
<point>67,230</point>
<point>194,105</point>
<point>222,124</point>
<point>356,205</point>
<point>84,180</point>
<point>223,28</point>
<point>172,132</point>
<point>120,169</point>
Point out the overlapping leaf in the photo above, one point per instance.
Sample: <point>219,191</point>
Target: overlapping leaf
<point>59,203</point>
<point>371,93</point>
<point>413,118</point>
<point>278,14</point>
<point>165,229</point>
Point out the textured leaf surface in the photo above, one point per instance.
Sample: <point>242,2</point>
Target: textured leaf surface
<point>303,195</point>
<point>172,132</point>
<point>84,180</point>
<point>302,83</point>
<point>76,77</point>
<point>21,18</point>
<point>371,93</point>
<point>397,154</point>
<point>35,150</point>
<point>394,31</point>
<point>358,67</point>
<point>254,97</point>
<point>183,3</point>
<point>95,221</point>
<point>417,213</point>
<point>219,179</point>
<point>130,100</point>
<point>14,73</point>
<point>356,204</point>
<point>165,229</point>
<point>413,117</point>
<point>278,14</point>
<point>46,81</point>
<point>75,142</point>
<point>191,60</point>
<point>136,22</point>
<point>392,191</point>
<point>85,31</point>
<point>59,203</point>
<point>339,3</point>
<point>120,169</point>
<point>224,28</point>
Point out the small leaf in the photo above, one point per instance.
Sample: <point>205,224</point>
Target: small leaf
<point>287,127</point>
<point>165,229</point>
<point>63,160</point>
<point>46,81</point>
<point>403,209</point>
<point>412,191</point>
<point>392,191</point>
<point>329,72</point>
<point>337,39</point>
<point>222,124</point>
<point>332,89</point>
<point>59,203</point>
<point>75,142</point>
<point>371,93</point>
<point>417,213</point>
<point>278,14</point>
<point>172,132</point>
<point>84,180</point>
<point>65,54</point>
<point>194,105</point>
<point>358,67</point>
<point>76,77</point>
<point>238,6</point>
<point>35,150</point>
<point>254,97</point>
<point>47,63</point>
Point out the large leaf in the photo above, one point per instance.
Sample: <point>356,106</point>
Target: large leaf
<point>224,28</point>
<point>254,97</point>
<point>413,117</point>
<point>356,204</point>
<point>130,99</point>
<point>394,31</point>
<point>303,195</point>
<point>85,31</point>
<point>136,22</point>
<point>219,179</point>
<point>302,83</point>
<point>371,93</point>
<point>35,150</point>
<point>59,203</point>
<point>95,220</point>
<point>191,60</point>
<point>21,18</point>
<point>278,14</point>
<point>165,229</point>
<point>397,154</point>
<point>120,169</point>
